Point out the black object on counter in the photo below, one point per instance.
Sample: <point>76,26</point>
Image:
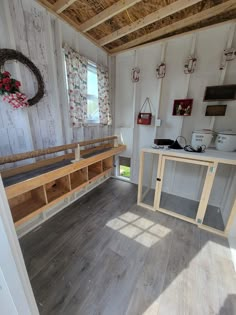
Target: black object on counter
<point>163,141</point>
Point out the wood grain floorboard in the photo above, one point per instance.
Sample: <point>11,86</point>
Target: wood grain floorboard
<point>104,255</point>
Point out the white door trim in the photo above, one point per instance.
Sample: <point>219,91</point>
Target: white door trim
<point>6,217</point>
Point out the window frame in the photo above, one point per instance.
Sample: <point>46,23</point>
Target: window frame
<point>92,67</point>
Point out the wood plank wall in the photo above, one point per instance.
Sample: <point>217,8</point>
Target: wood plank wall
<point>29,28</point>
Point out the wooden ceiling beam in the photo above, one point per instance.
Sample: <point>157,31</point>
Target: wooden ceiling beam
<point>61,5</point>
<point>47,5</point>
<point>107,14</point>
<point>150,18</point>
<point>166,39</point>
<point>193,19</point>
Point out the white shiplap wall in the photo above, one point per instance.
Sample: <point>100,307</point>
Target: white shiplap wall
<point>208,46</point>
<point>29,28</point>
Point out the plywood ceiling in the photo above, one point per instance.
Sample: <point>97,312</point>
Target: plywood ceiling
<point>120,25</point>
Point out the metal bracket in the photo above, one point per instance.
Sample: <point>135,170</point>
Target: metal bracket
<point>212,169</point>
<point>161,70</point>
<point>190,65</point>
<point>228,55</point>
<point>135,74</point>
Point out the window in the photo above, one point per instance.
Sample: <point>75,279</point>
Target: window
<point>92,94</point>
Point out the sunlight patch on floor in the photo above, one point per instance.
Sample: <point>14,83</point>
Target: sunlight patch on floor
<point>142,230</point>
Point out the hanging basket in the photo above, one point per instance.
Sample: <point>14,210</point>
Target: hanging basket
<point>145,118</point>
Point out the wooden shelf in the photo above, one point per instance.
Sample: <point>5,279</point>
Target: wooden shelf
<point>107,164</point>
<point>25,204</point>
<point>57,188</point>
<point>94,169</point>
<point>79,177</point>
<point>31,197</point>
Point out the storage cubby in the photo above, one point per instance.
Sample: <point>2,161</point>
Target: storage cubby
<point>79,177</point>
<point>94,169</point>
<point>57,188</point>
<point>107,163</point>
<point>26,203</point>
<point>53,193</point>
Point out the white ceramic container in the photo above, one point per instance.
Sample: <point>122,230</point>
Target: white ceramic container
<point>202,137</point>
<point>226,141</point>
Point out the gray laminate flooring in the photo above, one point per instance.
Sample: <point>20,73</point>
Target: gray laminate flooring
<point>188,208</point>
<point>104,255</point>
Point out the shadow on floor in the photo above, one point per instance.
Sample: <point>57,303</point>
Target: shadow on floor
<point>105,255</point>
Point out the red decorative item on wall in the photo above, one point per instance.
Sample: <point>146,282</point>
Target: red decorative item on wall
<point>145,118</point>
<point>182,107</point>
<point>9,89</point>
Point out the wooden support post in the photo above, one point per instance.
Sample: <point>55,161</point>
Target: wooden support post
<point>140,180</point>
<point>77,153</point>
<point>160,175</point>
<point>210,176</point>
<point>116,144</point>
<point>231,218</point>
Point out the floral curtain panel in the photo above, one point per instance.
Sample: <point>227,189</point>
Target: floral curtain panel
<point>103,96</point>
<point>76,67</point>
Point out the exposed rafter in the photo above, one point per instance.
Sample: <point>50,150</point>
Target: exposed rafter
<point>107,14</point>
<point>193,19</point>
<point>61,5</point>
<point>150,18</point>
<point>190,17</point>
<point>63,17</point>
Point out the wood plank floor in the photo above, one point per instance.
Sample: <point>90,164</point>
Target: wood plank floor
<point>104,255</point>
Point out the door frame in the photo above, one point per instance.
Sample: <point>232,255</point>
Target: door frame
<point>15,252</point>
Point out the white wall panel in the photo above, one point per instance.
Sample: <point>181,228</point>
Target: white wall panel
<point>124,91</point>
<point>124,100</point>
<point>208,46</point>
<point>29,28</point>
<point>174,86</point>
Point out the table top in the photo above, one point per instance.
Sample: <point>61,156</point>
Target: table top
<point>210,155</point>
